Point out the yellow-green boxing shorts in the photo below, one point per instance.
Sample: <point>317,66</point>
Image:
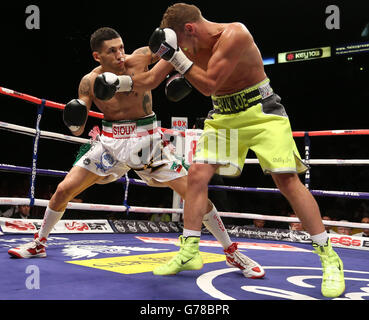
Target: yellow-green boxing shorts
<point>252,119</point>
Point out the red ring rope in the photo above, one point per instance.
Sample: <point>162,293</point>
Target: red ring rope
<point>99,115</point>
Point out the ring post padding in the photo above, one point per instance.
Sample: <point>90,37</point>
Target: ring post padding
<point>125,201</point>
<point>307,158</point>
<point>36,140</point>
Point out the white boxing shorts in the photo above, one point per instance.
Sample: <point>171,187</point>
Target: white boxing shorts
<point>132,144</point>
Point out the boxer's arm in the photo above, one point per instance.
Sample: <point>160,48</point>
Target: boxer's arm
<point>151,79</point>
<point>107,84</point>
<point>84,94</point>
<point>221,65</point>
<point>151,58</point>
<point>85,91</point>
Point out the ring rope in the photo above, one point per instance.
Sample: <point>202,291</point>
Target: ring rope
<point>60,106</point>
<point>72,139</point>
<point>48,103</point>
<point>43,134</point>
<point>38,202</point>
<point>117,208</point>
<point>71,205</point>
<point>305,134</point>
<point>326,193</point>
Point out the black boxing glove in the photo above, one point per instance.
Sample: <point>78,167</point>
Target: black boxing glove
<point>107,84</point>
<point>177,88</point>
<point>163,43</point>
<point>75,114</point>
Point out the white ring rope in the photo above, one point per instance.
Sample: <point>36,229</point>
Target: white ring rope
<point>71,205</point>
<point>66,138</point>
<point>122,208</point>
<point>44,134</point>
<point>339,162</point>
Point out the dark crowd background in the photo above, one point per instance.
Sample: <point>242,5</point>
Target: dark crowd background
<point>322,94</point>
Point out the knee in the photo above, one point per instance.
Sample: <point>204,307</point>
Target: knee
<point>287,183</point>
<point>63,192</point>
<point>198,176</point>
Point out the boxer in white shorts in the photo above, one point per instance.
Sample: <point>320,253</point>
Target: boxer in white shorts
<point>132,144</point>
<point>130,140</point>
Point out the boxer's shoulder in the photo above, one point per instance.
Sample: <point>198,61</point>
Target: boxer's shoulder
<point>86,83</point>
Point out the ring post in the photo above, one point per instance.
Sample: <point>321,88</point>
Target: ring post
<point>36,140</point>
<point>125,201</point>
<point>307,158</point>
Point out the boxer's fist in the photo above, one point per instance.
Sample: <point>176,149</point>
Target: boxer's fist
<point>75,114</point>
<point>106,85</point>
<point>177,88</point>
<point>163,43</point>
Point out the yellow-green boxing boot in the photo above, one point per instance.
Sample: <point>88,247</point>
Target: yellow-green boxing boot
<point>188,258</point>
<point>333,283</point>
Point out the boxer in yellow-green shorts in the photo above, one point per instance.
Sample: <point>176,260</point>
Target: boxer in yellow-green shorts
<point>221,60</point>
<point>250,119</point>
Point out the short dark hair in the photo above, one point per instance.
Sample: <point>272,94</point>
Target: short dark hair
<point>101,35</point>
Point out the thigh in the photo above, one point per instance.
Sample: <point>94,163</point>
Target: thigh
<point>163,174</point>
<point>79,179</point>
<point>178,185</point>
<point>223,144</point>
<point>104,159</point>
<point>274,145</point>
<point>162,167</point>
<point>76,181</point>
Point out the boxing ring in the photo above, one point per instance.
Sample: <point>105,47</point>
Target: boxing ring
<point>106,259</point>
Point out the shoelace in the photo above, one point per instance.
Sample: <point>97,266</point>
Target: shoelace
<point>176,259</point>
<point>32,244</point>
<point>40,243</point>
<point>29,245</point>
<point>330,265</point>
<point>242,259</point>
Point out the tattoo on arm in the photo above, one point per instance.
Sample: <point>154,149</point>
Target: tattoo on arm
<point>147,52</point>
<point>84,87</point>
<point>154,58</point>
<point>143,50</point>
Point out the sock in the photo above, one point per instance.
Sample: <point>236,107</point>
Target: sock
<point>214,224</point>
<point>191,233</point>
<point>320,239</point>
<point>51,218</point>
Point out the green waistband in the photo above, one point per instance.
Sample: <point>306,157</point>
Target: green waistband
<point>139,122</point>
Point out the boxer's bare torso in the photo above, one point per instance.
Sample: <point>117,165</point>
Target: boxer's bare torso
<point>229,55</point>
<point>124,105</point>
